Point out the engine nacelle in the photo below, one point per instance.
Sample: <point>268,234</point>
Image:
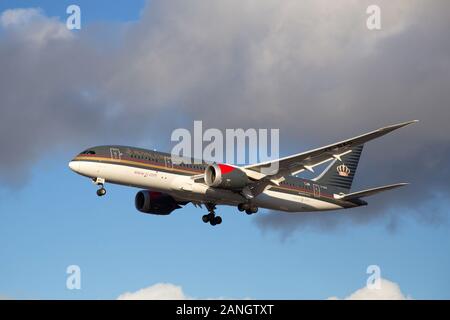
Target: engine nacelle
<point>225,176</point>
<point>155,202</point>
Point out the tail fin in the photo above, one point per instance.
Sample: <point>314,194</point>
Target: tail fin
<point>340,174</point>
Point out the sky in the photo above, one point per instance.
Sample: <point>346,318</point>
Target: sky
<point>138,70</point>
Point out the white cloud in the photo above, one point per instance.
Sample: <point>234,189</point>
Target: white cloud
<point>159,291</point>
<point>388,291</point>
<point>33,27</point>
<point>12,17</point>
<point>167,291</point>
<point>163,291</point>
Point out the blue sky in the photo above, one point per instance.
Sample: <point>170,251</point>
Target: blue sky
<point>92,11</point>
<point>54,219</point>
<point>57,220</point>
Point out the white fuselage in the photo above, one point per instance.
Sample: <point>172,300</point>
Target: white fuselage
<point>183,187</point>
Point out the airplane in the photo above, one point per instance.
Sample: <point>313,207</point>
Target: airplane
<point>169,185</point>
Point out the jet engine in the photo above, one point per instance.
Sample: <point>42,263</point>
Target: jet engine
<point>155,202</point>
<point>225,176</point>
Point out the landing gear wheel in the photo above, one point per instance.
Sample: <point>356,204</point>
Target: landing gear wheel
<point>101,192</point>
<point>211,216</point>
<point>241,207</point>
<point>251,210</point>
<point>218,220</point>
<point>213,219</point>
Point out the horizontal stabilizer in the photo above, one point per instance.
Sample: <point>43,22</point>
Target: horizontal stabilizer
<point>368,192</point>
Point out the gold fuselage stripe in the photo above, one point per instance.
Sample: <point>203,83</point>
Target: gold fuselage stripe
<point>131,162</point>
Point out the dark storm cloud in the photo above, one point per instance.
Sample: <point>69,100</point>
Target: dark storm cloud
<point>43,75</point>
<point>310,68</point>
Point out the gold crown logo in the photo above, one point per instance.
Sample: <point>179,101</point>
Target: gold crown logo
<point>343,170</point>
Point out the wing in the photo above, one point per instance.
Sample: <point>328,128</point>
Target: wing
<point>309,159</point>
<point>273,172</point>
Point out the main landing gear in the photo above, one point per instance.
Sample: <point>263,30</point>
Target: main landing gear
<point>211,216</point>
<point>100,182</point>
<point>249,209</point>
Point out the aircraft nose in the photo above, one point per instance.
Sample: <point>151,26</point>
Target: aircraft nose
<point>74,166</point>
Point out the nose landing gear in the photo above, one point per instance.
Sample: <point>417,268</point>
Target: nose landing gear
<point>100,182</point>
<point>101,192</point>
<point>211,216</point>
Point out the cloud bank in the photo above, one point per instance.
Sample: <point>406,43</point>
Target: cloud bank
<point>388,291</point>
<point>159,291</point>
<point>310,68</point>
<point>166,291</point>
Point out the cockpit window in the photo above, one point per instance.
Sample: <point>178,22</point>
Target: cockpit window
<point>88,152</point>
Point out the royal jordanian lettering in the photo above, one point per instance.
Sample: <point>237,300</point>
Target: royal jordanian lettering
<point>170,183</point>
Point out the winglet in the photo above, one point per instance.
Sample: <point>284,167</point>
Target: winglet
<point>397,126</point>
